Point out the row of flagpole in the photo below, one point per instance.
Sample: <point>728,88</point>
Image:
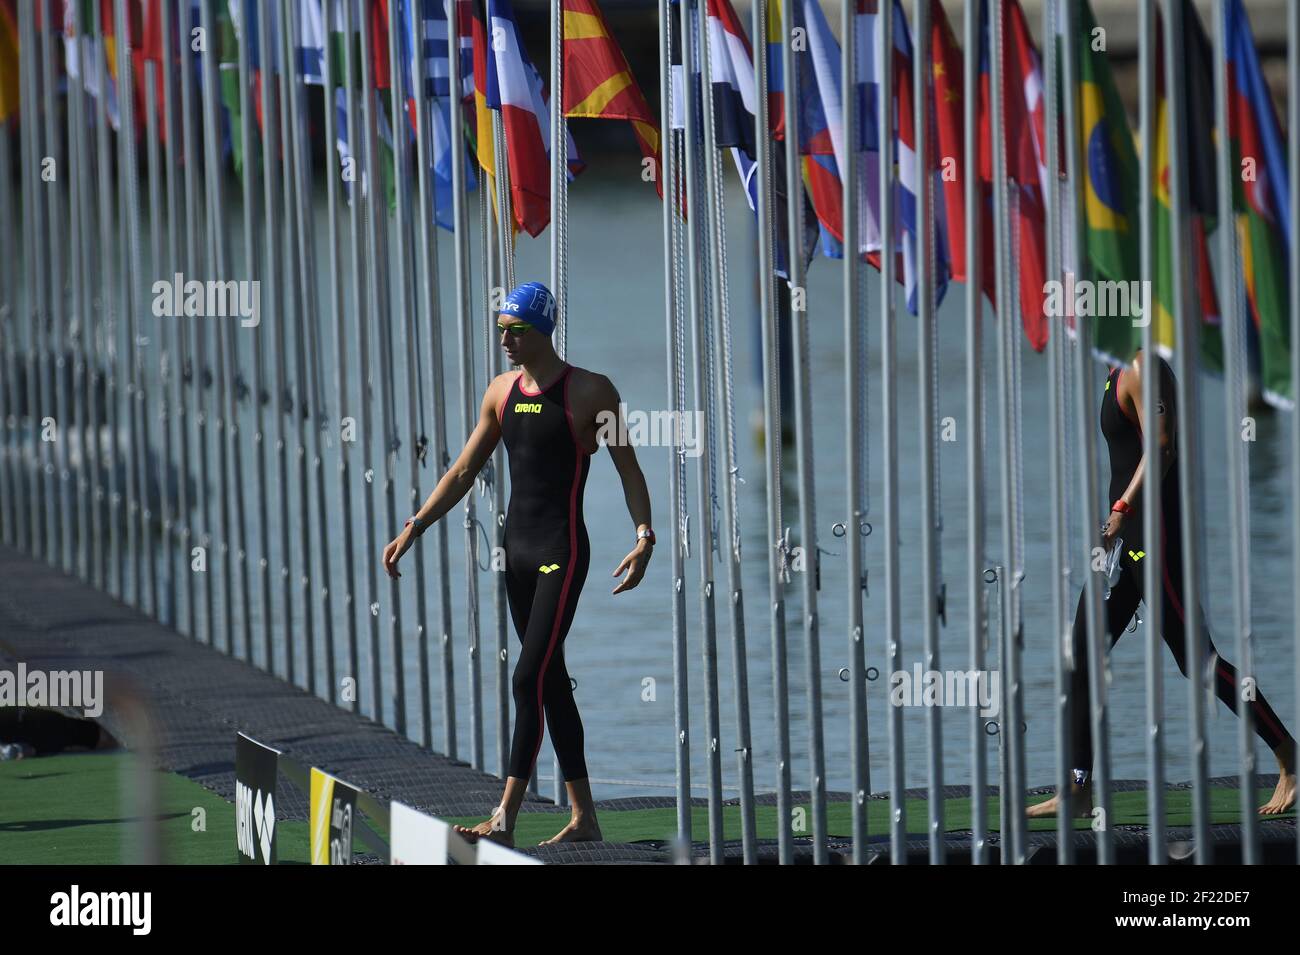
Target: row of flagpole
<point>39,509</point>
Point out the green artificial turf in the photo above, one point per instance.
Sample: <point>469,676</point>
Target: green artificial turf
<point>68,810</point>
<point>635,825</point>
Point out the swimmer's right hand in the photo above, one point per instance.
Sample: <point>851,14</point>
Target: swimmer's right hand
<point>398,546</point>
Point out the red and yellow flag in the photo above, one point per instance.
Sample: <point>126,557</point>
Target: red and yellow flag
<point>598,82</point>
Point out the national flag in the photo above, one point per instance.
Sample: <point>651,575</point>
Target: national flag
<point>1197,151</point>
<point>433,48</point>
<point>311,41</point>
<point>82,52</point>
<point>821,124</point>
<point>598,83</point>
<point>8,61</point>
<point>734,94</point>
<point>1024,138</point>
<point>228,84</point>
<point>775,70</point>
<point>1111,181</point>
<point>949,94</point>
<point>870,77</point>
<point>515,88</point>
<point>1261,201</point>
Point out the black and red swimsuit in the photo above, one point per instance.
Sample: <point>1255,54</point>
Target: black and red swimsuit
<point>1123,435</point>
<point>547,557</point>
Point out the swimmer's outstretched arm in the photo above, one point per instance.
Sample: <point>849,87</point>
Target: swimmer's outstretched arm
<point>456,483</point>
<point>635,492</point>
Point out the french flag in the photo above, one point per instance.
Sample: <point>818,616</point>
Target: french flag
<point>515,88</point>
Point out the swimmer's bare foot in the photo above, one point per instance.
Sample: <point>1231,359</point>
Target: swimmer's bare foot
<point>1284,794</point>
<point>493,830</point>
<point>580,829</point>
<point>1080,798</point>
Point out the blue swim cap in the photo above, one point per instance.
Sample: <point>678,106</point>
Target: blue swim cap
<point>533,303</point>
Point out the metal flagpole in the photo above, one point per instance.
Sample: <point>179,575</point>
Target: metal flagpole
<point>804,443</point>
<point>495,251</point>
<point>426,265</point>
<point>721,320</point>
<point>235,379</point>
<point>692,42</point>
<point>129,185</point>
<point>1234,346</point>
<point>559,181</point>
<point>405,308</point>
<point>57,315</point>
<point>330,15</point>
<point>45,294</point>
<point>18,305</point>
<point>1062,650</point>
<point>179,542</point>
<point>858,741</point>
<point>1187,403</point>
<point>164,600</point>
<point>34,279</point>
<point>464,325</point>
<point>360,293</point>
<point>1153,489</point>
<point>883,53</point>
<point>78,326</point>
<point>1087,461</point>
<point>299,289</point>
<point>461,254</point>
<point>669,177</point>
<point>273,251</point>
<point>253,156</point>
<point>86,238</point>
<point>777,566</point>
<point>310,386</point>
<point>1293,168</point>
<point>925,363</point>
<point>376,253</point>
<point>218,260</point>
<point>505,243</point>
<point>202,537</point>
<point>973,194</point>
<point>110,308</point>
<point>13,505</point>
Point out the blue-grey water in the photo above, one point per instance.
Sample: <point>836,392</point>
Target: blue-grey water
<point>620,647</point>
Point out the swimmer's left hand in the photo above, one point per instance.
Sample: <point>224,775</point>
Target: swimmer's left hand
<point>635,564</point>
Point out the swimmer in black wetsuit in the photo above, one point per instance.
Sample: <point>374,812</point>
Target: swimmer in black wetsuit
<point>1121,416</point>
<point>550,416</point>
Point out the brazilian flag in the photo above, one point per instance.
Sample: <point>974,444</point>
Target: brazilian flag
<point>1110,190</point>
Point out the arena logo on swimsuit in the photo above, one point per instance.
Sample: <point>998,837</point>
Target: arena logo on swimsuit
<point>528,407</point>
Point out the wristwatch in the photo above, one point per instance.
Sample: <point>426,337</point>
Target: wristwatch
<point>1122,507</point>
<point>646,534</point>
<point>419,528</point>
